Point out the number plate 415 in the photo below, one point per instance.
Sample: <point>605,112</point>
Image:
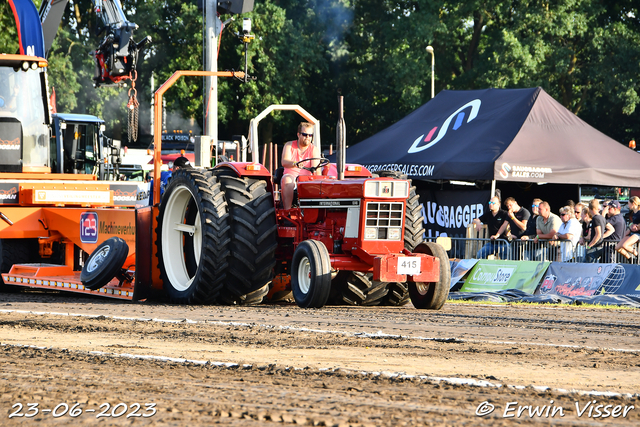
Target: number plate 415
<point>409,265</point>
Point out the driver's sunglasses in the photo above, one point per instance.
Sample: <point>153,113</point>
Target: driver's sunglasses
<point>310,135</point>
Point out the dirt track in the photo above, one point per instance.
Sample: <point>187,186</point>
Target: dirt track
<point>279,364</point>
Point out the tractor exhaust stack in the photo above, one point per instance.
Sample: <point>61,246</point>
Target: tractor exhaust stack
<point>341,140</point>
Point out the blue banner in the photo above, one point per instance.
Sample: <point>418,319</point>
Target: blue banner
<point>449,213</point>
<point>631,282</point>
<point>578,279</point>
<point>29,27</point>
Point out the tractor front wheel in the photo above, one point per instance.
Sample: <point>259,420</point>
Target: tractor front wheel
<point>311,274</point>
<point>432,295</point>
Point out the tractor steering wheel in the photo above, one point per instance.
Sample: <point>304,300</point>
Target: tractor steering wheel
<point>323,162</point>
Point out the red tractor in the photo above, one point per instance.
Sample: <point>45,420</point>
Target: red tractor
<point>351,238</point>
<point>217,236</point>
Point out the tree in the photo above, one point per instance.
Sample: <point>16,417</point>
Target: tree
<point>571,48</point>
<point>585,53</point>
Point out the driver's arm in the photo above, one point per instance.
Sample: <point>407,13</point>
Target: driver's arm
<point>286,157</point>
<point>315,163</point>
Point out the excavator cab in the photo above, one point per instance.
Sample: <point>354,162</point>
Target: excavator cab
<point>24,114</point>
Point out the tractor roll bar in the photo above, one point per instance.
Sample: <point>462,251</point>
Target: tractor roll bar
<point>157,114</point>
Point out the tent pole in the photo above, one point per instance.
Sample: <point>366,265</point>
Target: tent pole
<point>493,187</point>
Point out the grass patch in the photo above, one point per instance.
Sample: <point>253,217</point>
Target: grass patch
<point>546,305</point>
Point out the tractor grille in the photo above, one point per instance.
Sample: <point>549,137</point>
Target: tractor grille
<point>384,221</point>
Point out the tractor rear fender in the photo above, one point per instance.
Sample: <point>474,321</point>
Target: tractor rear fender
<point>246,170</point>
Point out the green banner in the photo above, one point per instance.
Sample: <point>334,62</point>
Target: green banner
<point>491,276</point>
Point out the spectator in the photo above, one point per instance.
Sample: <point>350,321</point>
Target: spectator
<point>618,226</point>
<point>493,218</point>
<point>626,246</point>
<point>530,231</point>
<point>517,218</point>
<point>634,210</point>
<point>165,176</point>
<point>584,220</point>
<point>597,225</point>
<point>181,162</point>
<point>578,208</point>
<point>568,233</point>
<point>547,223</point>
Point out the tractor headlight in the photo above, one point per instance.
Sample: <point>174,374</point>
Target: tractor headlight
<point>370,233</point>
<point>386,188</point>
<point>394,233</point>
<point>401,189</point>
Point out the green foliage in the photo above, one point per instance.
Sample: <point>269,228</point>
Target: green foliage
<point>9,34</point>
<point>585,53</point>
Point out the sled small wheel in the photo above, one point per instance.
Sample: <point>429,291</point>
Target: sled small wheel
<point>104,263</point>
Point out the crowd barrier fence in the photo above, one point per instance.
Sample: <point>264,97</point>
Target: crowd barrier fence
<point>528,250</point>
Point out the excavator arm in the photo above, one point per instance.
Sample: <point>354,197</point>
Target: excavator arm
<point>117,55</point>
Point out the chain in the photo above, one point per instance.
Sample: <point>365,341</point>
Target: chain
<point>132,109</point>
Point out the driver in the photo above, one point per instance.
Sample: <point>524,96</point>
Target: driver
<point>294,152</point>
<point>8,91</point>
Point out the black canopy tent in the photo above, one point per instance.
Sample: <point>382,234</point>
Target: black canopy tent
<point>518,138</point>
<point>511,135</point>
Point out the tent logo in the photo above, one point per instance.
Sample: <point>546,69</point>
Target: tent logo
<point>459,116</point>
<point>504,172</point>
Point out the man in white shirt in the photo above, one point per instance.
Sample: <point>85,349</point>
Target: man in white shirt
<point>568,234</point>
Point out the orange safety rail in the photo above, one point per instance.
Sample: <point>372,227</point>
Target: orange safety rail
<point>17,59</point>
<point>65,194</point>
<point>48,177</point>
<point>157,114</point>
<point>60,277</point>
<point>36,169</point>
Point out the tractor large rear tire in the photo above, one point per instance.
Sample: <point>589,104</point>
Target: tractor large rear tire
<point>356,288</point>
<point>16,251</point>
<point>432,295</point>
<point>252,219</point>
<point>193,238</point>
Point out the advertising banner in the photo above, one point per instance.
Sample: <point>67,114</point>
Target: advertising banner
<point>131,193</point>
<point>460,268</point>
<point>491,276</point>
<point>578,279</point>
<point>448,213</point>
<point>631,283</point>
<point>9,193</point>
